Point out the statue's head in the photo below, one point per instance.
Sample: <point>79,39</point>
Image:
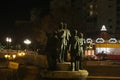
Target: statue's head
<point>75,32</point>
<point>81,35</point>
<point>65,27</point>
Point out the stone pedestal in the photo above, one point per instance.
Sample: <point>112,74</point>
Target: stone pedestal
<point>65,66</point>
<point>64,74</point>
<point>63,71</point>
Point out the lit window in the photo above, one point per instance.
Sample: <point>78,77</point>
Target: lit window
<point>91,13</point>
<point>91,6</point>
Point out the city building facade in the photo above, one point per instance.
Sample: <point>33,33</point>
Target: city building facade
<point>89,14</point>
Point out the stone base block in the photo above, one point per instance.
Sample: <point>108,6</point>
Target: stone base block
<point>65,66</point>
<point>64,74</point>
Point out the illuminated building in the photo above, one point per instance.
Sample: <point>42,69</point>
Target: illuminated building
<point>105,45</point>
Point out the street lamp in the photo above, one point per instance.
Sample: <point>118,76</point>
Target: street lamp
<point>8,40</point>
<point>27,42</point>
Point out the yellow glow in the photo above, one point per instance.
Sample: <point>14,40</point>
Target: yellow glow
<point>89,52</point>
<point>14,56</point>
<point>21,54</point>
<point>108,45</point>
<point>10,57</point>
<point>6,56</point>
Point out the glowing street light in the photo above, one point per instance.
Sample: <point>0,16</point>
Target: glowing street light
<point>27,42</point>
<point>8,40</point>
<point>10,57</point>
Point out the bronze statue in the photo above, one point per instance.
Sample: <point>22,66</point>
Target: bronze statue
<point>76,50</point>
<point>64,35</point>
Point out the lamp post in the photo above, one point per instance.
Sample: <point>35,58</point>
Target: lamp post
<point>27,42</point>
<point>8,40</point>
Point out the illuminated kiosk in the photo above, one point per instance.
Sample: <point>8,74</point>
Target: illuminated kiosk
<point>107,45</point>
<point>90,48</point>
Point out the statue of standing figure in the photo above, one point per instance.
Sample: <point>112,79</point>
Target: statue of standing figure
<point>63,39</point>
<point>76,50</point>
<point>80,51</point>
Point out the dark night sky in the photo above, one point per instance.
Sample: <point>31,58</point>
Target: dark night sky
<point>12,10</point>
